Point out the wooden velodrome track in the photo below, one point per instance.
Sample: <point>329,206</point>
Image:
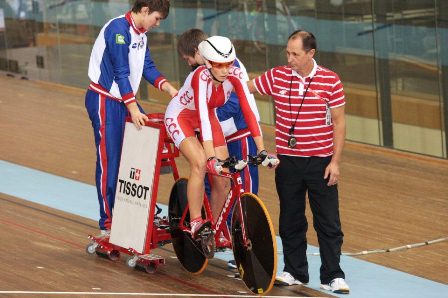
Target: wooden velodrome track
<point>388,199</point>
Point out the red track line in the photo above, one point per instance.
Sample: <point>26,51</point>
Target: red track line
<point>76,245</point>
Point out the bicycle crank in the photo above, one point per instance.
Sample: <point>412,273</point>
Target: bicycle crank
<point>208,244</point>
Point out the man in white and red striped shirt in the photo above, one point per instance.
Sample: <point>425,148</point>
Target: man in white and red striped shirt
<point>310,131</point>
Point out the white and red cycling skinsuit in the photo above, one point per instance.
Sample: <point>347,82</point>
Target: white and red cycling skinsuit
<point>194,107</point>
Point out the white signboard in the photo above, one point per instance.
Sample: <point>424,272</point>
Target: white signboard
<point>134,187</point>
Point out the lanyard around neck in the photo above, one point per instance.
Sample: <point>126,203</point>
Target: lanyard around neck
<point>291,130</point>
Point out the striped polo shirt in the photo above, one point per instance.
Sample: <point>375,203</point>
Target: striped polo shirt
<point>314,134</point>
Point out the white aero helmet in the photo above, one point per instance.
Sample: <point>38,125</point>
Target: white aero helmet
<point>217,49</point>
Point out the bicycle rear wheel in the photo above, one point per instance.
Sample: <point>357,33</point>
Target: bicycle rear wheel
<point>188,251</point>
<point>256,259</point>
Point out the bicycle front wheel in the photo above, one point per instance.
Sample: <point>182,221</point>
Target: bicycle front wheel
<point>254,244</point>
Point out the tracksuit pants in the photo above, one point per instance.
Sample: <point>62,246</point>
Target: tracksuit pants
<point>294,178</point>
<point>108,118</point>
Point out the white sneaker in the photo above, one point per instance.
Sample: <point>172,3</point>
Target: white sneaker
<point>337,285</point>
<point>231,264</point>
<point>286,279</point>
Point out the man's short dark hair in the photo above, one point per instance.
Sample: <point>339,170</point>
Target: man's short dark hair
<point>308,40</point>
<point>162,6</point>
<point>187,43</point>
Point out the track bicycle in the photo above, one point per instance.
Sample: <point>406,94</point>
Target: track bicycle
<point>251,236</point>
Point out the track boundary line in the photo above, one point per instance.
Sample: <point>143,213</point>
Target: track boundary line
<point>133,294</point>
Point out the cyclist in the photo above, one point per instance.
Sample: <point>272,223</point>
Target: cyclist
<point>195,108</point>
<point>239,141</point>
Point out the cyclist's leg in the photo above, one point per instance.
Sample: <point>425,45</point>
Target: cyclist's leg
<point>254,244</point>
<point>180,125</point>
<point>193,151</point>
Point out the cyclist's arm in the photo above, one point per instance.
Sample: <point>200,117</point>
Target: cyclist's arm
<point>209,125</point>
<point>199,86</point>
<point>260,144</point>
<point>241,91</point>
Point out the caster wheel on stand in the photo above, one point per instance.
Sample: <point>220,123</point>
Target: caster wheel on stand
<point>91,248</point>
<point>132,262</point>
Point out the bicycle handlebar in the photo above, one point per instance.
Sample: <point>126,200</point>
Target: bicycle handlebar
<point>232,161</point>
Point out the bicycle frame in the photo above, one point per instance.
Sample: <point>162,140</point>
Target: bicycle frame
<point>220,225</point>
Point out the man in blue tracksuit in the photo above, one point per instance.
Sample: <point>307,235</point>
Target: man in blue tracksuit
<point>119,59</point>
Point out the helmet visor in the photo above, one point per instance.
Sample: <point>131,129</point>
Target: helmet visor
<point>221,65</point>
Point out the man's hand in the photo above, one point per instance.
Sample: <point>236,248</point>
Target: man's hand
<point>332,171</point>
<point>168,88</point>
<point>268,160</point>
<point>138,118</point>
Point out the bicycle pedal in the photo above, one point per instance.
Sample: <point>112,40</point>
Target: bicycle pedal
<point>206,233</point>
<point>204,236</point>
<point>208,245</point>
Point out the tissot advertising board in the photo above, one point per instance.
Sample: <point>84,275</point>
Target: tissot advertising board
<point>134,187</point>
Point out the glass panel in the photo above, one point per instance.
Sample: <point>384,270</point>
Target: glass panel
<point>410,48</point>
<point>442,50</point>
<point>17,34</point>
<point>344,33</point>
<point>389,53</point>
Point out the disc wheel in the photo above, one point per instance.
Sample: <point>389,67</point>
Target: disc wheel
<point>256,259</point>
<point>188,251</point>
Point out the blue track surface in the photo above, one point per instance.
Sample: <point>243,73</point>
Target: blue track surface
<point>366,280</point>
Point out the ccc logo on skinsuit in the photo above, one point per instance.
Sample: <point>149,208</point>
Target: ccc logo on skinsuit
<point>235,71</point>
<point>205,76</point>
<point>186,98</point>
<point>171,127</point>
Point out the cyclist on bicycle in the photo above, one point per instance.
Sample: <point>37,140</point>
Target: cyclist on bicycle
<point>194,108</point>
<point>240,143</point>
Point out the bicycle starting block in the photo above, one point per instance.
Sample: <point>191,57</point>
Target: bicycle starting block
<point>136,226</point>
